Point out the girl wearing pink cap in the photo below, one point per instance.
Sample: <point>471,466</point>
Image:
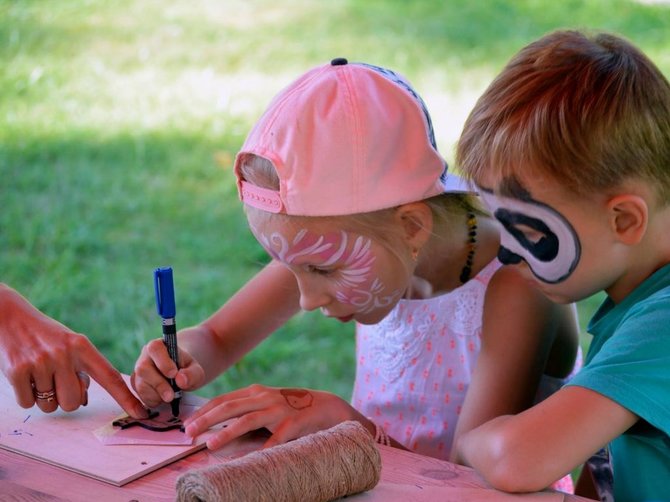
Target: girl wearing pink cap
<point>344,187</point>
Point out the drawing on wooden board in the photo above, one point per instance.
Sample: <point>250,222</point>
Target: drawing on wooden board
<point>154,422</point>
<point>68,440</point>
<point>161,428</point>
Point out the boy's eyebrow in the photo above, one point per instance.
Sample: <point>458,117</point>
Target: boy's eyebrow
<point>509,187</point>
<point>512,187</point>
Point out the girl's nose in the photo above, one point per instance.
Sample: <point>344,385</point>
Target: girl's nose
<point>311,296</point>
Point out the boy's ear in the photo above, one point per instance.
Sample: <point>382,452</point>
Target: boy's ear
<point>416,219</point>
<point>629,216</point>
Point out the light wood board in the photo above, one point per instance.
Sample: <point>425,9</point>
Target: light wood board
<point>67,440</point>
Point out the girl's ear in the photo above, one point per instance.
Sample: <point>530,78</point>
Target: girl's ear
<point>629,216</point>
<point>416,219</point>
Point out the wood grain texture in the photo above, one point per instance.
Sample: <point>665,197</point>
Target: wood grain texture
<point>67,440</point>
<point>405,477</point>
<point>55,457</point>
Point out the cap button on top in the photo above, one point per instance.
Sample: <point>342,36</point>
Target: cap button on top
<point>339,62</point>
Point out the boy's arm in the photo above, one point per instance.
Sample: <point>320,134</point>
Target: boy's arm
<point>518,329</point>
<point>529,451</point>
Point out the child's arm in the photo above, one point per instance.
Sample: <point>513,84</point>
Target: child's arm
<point>518,329</point>
<point>529,451</point>
<point>264,304</point>
<point>287,413</point>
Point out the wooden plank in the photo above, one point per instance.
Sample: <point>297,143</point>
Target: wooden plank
<point>24,475</point>
<point>36,442</point>
<point>388,492</point>
<point>15,492</point>
<point>405,467</point>
<point>410,476</point>
<point>405,476</point>
<point>67,440</point>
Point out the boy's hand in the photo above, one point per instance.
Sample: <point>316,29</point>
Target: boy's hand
<point>287,413</point>
<point>154,367</point>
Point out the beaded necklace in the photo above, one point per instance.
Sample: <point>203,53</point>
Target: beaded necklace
<point>472,247</point>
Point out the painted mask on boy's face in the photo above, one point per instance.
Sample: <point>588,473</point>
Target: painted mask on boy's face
<point>343,258</point>
<point>535,233</point>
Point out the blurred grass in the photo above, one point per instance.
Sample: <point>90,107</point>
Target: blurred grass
<point>119,122</point>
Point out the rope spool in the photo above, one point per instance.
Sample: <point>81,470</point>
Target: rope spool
<point>323,466</point>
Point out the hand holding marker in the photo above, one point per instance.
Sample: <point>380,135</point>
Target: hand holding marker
<point>165,305</point>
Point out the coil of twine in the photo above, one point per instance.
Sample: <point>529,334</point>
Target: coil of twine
<point>323,466</point>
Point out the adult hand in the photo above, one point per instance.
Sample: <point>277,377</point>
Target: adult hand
<point>154,367</point>
<point>287,413</point>
<point>49,365</point>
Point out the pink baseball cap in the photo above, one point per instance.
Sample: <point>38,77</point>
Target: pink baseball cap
<point>346,138</point>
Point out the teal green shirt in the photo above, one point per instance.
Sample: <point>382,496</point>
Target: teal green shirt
<point>629,362</point>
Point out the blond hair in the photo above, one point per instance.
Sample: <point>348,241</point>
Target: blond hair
<point>590,111</point>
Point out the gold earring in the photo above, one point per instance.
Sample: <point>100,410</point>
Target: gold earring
<point>415,254</point>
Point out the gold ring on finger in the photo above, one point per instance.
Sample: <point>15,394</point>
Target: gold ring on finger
<point>48,396</point>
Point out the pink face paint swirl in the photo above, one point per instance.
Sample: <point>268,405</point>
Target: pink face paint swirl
<point>351,256</point>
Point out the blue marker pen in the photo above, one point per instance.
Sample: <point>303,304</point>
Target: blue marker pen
<point>165,305</point>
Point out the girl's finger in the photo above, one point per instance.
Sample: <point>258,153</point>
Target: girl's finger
<point>262,405</point>
<point>147,392</point>
<point>246,392</point>
<point>285,432</point>
<point>158,353</point>
<point>237,428</point>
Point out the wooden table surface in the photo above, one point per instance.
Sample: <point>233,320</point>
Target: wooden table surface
<point>29,437</point>
<point>405,477</point>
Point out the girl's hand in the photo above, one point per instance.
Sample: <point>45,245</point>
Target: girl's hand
<point>287,413</point>
<point>154,367</point>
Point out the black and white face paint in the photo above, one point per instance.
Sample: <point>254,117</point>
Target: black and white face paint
<point>535,233</point>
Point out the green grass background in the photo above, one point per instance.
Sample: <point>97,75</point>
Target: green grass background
<point>119,122</point>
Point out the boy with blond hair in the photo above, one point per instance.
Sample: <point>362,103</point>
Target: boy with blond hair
<point>570,149</point>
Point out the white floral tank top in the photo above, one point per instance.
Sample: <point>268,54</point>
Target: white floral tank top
<point>414,367</point>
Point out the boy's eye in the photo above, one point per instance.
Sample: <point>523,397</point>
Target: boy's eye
<point>532,235</point>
